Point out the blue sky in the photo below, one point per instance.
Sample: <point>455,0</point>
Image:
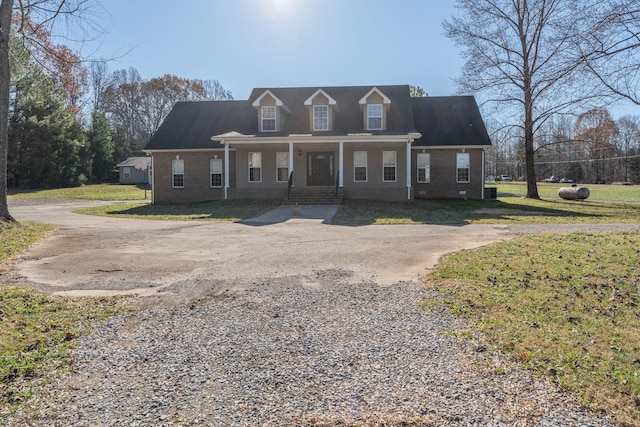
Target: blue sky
<point>283,43</point>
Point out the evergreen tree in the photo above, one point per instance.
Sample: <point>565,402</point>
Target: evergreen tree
<point>45,138</point>
<point>102,147</point>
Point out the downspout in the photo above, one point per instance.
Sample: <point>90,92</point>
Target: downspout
<point>226,169</point>
<point>153,179</point>
<point>341,165</point>
<point>291,163</point>
<point>409,142</point>
<point>482,177</point>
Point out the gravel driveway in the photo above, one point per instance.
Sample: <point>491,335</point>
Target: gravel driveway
<point>297,323</point>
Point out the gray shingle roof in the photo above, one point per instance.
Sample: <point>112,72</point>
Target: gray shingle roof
<point>448,121</point>
<point>441,120</point>
<point>350,118</point>
<point>190,125</point>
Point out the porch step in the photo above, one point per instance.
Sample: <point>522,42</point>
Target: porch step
<point>315,196</point>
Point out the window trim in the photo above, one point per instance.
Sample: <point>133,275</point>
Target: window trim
<point>370,116</point>
<point>126,172</point>
<point>211,162</point>
<point>174,174</point>
<point>269,108</point>
<point>325,108</point>
<point>286,156</point>
<point>427,168</point>
<point>395,166</point>
<point>458,168</point>
<point>366,166</point>
<point>249,167</point>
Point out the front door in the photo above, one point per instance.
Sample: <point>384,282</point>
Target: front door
<point>320,169</point>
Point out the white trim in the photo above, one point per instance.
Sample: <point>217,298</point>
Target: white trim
<point>291,163</point>
<point>395,166</point>
<point>153,180</point>
<point>300,139</point>
<point>427,176</point>
<point>313,117</point>
<point>341,164</point>
<point>211,161</point>
<point>468,169</point>
<point>408,165</point>
<point>173,173</point>
<point>226,171</point>
<point>185,150</point>
<point>448,147</point>
<point>249,167</point>
<point>256,103</point>
<point>330,100</point>
<point>366,166</point>
<point>381,117</point>
<point>275,118</point>
<point>385,98</point>
<point>286,179</point>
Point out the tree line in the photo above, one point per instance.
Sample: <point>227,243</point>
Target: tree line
<point>589,148</point>
<point>535,63</point>
<point>70,122</point>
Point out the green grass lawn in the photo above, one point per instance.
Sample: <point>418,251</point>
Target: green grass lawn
<point>37,331</point>
<point>550,190</point>
<point>506,210</point>
<point>88,192</point>
<point>221,210</point>
<point>565,307</point>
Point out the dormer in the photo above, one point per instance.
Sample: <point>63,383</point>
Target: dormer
<point>322,109</point>
<point>375,106</point>
<point>271,112</point>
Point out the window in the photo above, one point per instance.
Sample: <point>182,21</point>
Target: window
<point>374,116</point>
<point>255,167</point>
<point>215,168</point>
<point>388,165</point>
<point>360,166</point>
<point>126,172</point>
<point>177,173</point>
<point>320,117</point>
<point>462,167</point>
<point>424,167</point>
<point>268,118</point>
<point>282,167</point>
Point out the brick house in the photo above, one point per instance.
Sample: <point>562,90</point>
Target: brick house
<point>354,142</point>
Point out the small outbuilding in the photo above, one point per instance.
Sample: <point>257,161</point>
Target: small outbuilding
<point>134,170</point>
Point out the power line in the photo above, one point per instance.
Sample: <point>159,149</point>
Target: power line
<point>586,160</point>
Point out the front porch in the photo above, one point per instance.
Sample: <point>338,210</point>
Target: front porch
<point>326,171</point>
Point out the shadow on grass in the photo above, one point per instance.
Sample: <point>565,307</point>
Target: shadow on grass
<point>452,212</point>
<point>220,210</point>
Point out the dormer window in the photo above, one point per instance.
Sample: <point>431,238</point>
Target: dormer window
<point>375,108</point>
<point>322,110</point>
<point>268,118</point>
<point>272,112</point>
<point>374,116</point>
<point>320,117</point>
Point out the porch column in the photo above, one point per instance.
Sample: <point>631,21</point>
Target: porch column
<point>226,170</point>
<point>341,165</point>
<point>291,163</point>
<point>409,170</point>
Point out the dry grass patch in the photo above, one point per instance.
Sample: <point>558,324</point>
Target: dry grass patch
<point>565,307</point>
<point>37,331</point>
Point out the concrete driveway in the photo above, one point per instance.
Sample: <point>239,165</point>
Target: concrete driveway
<point>181,261</point>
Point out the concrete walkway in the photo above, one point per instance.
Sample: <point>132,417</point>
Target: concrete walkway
<point>284,213</point>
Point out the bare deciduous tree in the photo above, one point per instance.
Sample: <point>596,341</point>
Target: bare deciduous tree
<point>611,47</point>
<point>524,56</point>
